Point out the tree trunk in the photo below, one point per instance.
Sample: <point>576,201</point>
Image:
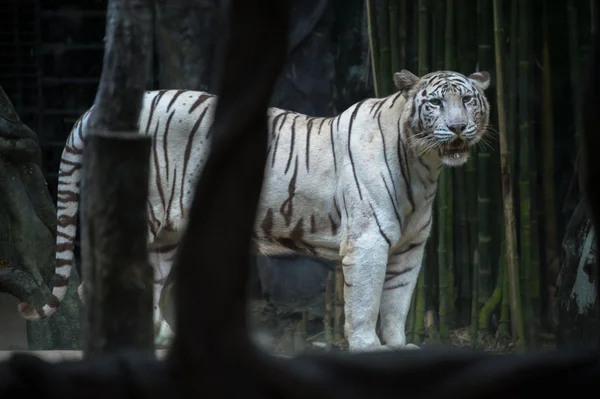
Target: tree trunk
<point>28,220</point>
<point>184,34</point>
<point>118,276</point>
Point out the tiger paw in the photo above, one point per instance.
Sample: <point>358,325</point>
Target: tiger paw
<point>403,347</point>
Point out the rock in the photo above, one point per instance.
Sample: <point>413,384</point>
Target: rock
<point>295,283</point>
<point>578,325</point>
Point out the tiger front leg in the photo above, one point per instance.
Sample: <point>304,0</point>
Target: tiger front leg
<point>363,268</point>
<point>400,281</point>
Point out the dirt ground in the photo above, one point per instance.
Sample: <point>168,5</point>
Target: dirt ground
<point>275,334</point>
<point>283,336</point>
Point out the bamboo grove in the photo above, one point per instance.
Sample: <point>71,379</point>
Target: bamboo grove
<point>492,259</point>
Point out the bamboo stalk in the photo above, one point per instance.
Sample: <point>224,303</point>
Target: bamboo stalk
<point>420,307</point>
<point>327,317</point>
<point>394,35</point>
<point>463,262</point>
<point>300,333</point>
<point>444,299</point>
<point>431,286</point>
<point>373,43</point>
<point>534,288</point>
<point>464,265</point>
<point>385,66</point>
<point>449,62</point>
<point>466,13</point>
<point>474,303</point>
<point>410,319</point>
<point>449,46</point>
<point>438,42</point>
<point>338,300</point>
<point>423,60</point>
<point>524,157</point>
<point>442,198</point>
<point>575,69</point>
<point>512,125</point>
<point>466,16</point>
<point>412,32</point>
<point>423,44</point>
<point>512,260</point>
<point>491,304</point>
<point>484,211</point>
<point>402,28</point>
<point>504,325</point>
<point>593,11</point>
<point>549,202</point>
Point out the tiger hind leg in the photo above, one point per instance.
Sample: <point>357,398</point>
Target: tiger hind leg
<point>163,335</point>
<point>161,262</point>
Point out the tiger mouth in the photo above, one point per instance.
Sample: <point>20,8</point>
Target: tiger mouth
<point>454,149</point>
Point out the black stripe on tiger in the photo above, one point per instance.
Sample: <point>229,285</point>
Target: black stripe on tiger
<point>165,136</point>
<point>385,237</point>
<point>332,145</point>
<point>177,94</point>
<point>352,117</point>
<point>309,124</point>
<point>292,142</point>
<point>188,149</point>
<point>385,153</point>
<point>404,169</point>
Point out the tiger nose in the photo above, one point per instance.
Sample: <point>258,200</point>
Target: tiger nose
<point>457,128</point>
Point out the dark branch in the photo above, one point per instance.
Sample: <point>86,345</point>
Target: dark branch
<point>227,195</point>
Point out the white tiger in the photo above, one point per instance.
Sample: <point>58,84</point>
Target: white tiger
<point>356,188</point>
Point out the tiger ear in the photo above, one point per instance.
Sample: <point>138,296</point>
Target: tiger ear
<point>405,80</point>
<point>480,79</point>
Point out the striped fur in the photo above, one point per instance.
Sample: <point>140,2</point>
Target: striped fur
<point>357,188</point>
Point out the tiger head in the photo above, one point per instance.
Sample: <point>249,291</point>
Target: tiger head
<point>445,112</point>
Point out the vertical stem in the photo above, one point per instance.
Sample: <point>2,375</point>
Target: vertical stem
<point>449,47</point>
<point>549,198</point>
<point>460,177</point>
<point>512,124</point>
<point>423,36</point>
<point>438,33</point>
<point>509,213</point>
<point>394,35</point>
<point>524,152</point>
<point>462,244</point>
<point>385,68</point>
<point>373,43</point>
<point>503,327</point>
<point>410,320</point>
<point>449,64</point>
<point>420,306</point>
<point>442,210</point>
<point>402,27</point>
<point>482,257</point>
<point>575,68</point>
<point>338,301</point>
<point>593,11</point>
<point>327,317</point>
